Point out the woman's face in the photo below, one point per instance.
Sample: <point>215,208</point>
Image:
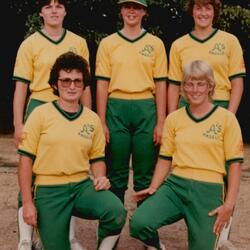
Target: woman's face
<point>132,14</point>
<point>197,91</point>
<point>70,86</point>
<point>53,14</point>
<point>203,15</point>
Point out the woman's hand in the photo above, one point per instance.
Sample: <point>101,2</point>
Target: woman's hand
<point>101,183</point>
<point>223,214</point>
<point>30,214</point>
<point>143,194</point>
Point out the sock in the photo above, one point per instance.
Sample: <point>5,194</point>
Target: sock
<point>25,230</point>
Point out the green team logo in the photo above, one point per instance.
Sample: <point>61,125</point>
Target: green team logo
<point>87,131</point>
<point>147,50</point>
<point>214,132</point>
<point>218,49</point>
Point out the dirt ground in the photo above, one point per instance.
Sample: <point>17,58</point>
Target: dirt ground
<point>174,236</point>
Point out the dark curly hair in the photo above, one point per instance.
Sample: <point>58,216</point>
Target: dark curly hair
<point>69,61</point>
<point>215,3</point>
<point>42,3</point>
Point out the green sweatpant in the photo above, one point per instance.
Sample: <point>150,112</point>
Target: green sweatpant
<point>56,204</point>
<point>131,124</point>
<point>179,198</point>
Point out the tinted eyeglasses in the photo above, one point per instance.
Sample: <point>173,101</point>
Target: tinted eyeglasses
<point>66,82</point>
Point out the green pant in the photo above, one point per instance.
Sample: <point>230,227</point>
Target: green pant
<point>131,124</point>
<point>176,199</point>
<point>55,205</point>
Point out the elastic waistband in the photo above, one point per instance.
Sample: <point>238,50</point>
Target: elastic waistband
<point>57,179</point>
<point>131,96</point>
<point>198,174</point>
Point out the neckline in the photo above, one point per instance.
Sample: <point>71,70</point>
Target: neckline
<point>200,119</point>
<point>144,32</point>
<point>205,39</point>
<point>66,114</point>
<point>51,40</point>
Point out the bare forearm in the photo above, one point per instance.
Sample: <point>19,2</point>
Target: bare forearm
<point>98,169</point>
<point>25,178</point>
<point>86,97</point>
<point>102,99</point>
<point>161,100</point>
<point>19,103</point>
<point>173,97</point>
<point>160,173</point>
<point>233,184</point>
<point>236,94</point>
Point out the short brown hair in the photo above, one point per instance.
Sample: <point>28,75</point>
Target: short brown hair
<point>215,3</point>
<point>69,61</point>
<point>41,3</point>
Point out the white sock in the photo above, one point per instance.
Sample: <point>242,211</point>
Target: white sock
<point>72,226</point>
<point>25,230</point>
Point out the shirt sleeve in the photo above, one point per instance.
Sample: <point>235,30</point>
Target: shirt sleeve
<point>233,143</point>
<point>175,66</point>
<point>23,69</point>
<point>103,67</point>
<point>168,139</point>
<point>97,151</point>
<point>161,64</point>
<point>31,135</point>
<point>236,60</point>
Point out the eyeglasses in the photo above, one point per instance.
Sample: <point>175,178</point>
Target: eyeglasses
<point>200,86</point>
<point>66,82</point>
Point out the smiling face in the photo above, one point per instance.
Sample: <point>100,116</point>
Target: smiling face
<point>70,86</point>
<point>203,15</point>
<point>132,14</point>
<point>53,14</point>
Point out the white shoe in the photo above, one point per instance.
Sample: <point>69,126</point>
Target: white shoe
<point>75,245</point>
<point>37,244</point>
<point>25,245</point>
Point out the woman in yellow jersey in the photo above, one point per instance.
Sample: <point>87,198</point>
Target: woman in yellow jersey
<point>197,140</point>
<point>63,141</point>
<point>220,49</point>
<point>131,72</point>
<point>35,57</point>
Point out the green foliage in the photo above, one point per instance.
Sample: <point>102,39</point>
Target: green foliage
<point>235,17</point>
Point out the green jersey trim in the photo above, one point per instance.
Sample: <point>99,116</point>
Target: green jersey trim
<point>240,160</point>
<point>20,79</point>
<point>168,158</point>
<point>67,116</point>
<point>51,40</point>
<point>202,118</point>
<point>241,75</point>
<point>203,40</point>
<point>174,82</point>
<point>96,160</point>
<point>102,78</point>
<point>158,79</point>
<point>25,153</point>
<point>132,40</point>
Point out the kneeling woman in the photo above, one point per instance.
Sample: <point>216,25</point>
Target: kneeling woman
<point>197,140</point>
<point>63,141</point>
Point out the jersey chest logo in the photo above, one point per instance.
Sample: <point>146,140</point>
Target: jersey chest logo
<point>218,49</point>
<point>87,131</point>
<point>214,132</point>
<point>147,50</point>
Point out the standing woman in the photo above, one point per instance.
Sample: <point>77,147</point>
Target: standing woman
<point>131,72</point>
<point>220,49</point>
<point>62,141</point>
<point>35,57</point>
<point>197,140</point>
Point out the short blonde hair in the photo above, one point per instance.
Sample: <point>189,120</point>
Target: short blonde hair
<point>199,70</point>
